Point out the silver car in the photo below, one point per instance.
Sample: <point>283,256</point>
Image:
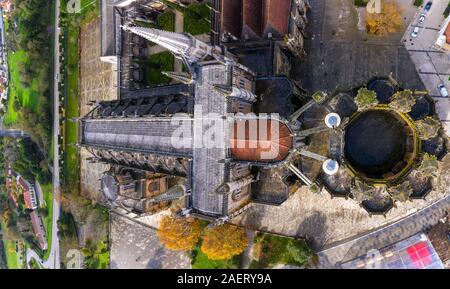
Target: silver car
<point>442,90</point>
<point>415,32</point>
<point>422,18</point>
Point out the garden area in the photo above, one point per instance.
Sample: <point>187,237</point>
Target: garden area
<point>197,17</point>
<point>271,250</point>
<point>70,43</point>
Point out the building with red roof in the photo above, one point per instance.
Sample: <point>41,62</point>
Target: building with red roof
<point>256,19</point>
<point>39,230</point>
<point>6,5</point>
<point>29,194</point>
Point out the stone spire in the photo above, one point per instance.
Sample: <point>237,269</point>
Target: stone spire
<point>182,77</point>
<point>183,46</point>
<point>233,91</point>
<point>236,185</point>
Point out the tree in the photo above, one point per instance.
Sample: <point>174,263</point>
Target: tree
<point>179,233</point>
<point>403,101</point>
<point>390,20</point>
<point>366,99</point>
<point>223,242</point>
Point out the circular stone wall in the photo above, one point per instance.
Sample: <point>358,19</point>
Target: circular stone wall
<point>379,144</point>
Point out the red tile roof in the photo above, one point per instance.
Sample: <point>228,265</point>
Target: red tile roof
<point>38,230</point>
<point>276,17</point>
<point>232,17</point>
<point>274,146</point>
<point>252,12</point>
<point>27,200</point>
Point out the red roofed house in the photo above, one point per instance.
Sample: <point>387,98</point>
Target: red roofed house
<point>6,5</point>
<point>39,230</point>
<point>29,194</point>
<point>443,41</point>
<point>11,189</point>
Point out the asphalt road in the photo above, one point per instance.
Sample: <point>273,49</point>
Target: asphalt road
<point>53,261</point>
<point>54,254</point>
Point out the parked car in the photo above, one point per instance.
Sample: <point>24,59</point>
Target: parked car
<point>415,32</point>
<point>443,90</point>
<point>422,18</point>
<point>428,6</point>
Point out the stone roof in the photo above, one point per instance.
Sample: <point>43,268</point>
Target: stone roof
<point>208,170</point>
<point>152,135</point>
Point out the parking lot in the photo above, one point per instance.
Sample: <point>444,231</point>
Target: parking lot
<point>432,65</point>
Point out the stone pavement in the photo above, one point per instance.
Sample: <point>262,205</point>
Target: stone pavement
<point>385,236</point>
<point>341,54</point>
<point>135,246</point>
<point>432,65</point>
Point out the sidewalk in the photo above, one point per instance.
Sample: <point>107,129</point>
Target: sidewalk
<point>433,66</point>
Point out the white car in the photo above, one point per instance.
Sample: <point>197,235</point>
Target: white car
<point>443,90</point>
<point>415,32</point>
<point>422,18</point>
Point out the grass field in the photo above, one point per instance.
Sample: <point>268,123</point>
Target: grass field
<point>271,250</point>
<point>27,96</point>
<point>10,251</point>
<point>71,47</point>
<point>196,17</point>
<point>155,65</point>
<point>47,190</point>
<point>201,261</point>
<point>71,110</point>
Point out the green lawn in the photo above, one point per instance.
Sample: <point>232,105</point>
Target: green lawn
<point>201,261</point>
<point>27,96</point>
<point>103,255</point>
<point>155,65</point>
<point>12,259</point>
<point>196,17</point>
<point>48,197</point>
<point>273,250</point>
<point>71,110</point>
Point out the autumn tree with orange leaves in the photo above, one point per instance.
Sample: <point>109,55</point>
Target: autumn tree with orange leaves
<point>179,233</point>
<point>224,242</point>
<point>390,20</point>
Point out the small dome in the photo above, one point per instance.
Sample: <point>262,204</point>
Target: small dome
<point>333,120</point>
<point>330,167</point>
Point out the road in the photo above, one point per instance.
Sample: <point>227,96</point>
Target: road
<point>53,261</point>
<point>54,254</point>
<point>415,223</point>
<point>432,65</point>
